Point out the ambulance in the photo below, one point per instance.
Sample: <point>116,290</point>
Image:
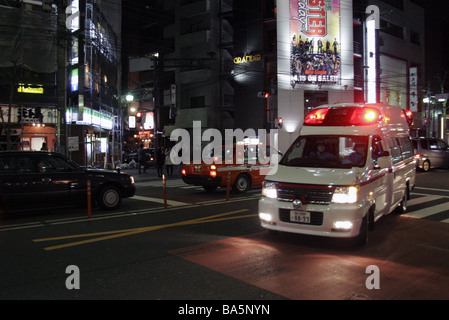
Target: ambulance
<point>350,165</point>
<point>238,166</point>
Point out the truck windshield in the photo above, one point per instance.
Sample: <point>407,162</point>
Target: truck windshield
<point>327,152</point>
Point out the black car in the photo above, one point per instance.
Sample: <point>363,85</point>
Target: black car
<point>31,180</point>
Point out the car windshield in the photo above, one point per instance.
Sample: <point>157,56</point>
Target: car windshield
<point>327,152</point>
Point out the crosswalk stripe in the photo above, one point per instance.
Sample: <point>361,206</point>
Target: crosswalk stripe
<point>150,199</point>
<point>419,214</point>
<point>423,199</point>
<point>159,184</point>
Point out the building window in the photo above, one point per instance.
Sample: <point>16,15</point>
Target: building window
<point>392,29</point>
<point>415,38</point>
<point>197,102</point>
<point>399,4</point>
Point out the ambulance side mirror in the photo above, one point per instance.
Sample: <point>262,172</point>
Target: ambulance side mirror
<point>384,161</point>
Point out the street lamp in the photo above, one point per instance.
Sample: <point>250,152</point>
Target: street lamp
<point>129,98</point>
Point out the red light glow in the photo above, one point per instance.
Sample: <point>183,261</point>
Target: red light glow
<point>316,116</point>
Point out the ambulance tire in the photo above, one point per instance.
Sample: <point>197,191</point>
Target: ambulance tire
<point>402,207</point>
<point>362,238</point>
<point>242,183</point>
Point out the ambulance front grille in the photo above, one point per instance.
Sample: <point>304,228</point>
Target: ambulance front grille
<point>308,194</point>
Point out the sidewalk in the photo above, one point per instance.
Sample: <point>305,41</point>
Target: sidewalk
<point>151,174</point>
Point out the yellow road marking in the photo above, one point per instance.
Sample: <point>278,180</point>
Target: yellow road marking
<point>106,235</point>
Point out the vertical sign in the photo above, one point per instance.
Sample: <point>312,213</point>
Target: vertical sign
<point>414,89</point>
<point>315,42</point>
<point>371,55</point>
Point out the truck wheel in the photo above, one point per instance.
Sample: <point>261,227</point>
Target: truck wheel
<point>241,184</point>
<point>109,198</point>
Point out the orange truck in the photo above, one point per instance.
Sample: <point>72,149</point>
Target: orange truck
<point>246,168</point>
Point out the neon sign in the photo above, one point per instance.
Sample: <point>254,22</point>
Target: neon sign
<point>248,58</point>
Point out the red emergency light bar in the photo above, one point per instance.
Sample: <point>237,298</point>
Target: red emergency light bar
<point>343,116</point>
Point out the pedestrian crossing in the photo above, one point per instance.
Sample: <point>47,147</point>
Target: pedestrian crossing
<point>425,203</point>
<point>428,206</point>
<point>168,183</point>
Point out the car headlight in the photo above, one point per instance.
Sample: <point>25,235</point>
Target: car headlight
<point>269,190</point>
<point>345,195</point>
<point>131,178</point>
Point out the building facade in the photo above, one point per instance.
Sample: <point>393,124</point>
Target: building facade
<point>60,84</point>
<point>254,64</point>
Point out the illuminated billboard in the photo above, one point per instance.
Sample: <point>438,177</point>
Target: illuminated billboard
<point>315,56</point>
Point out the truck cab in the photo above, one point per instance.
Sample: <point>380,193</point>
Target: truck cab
<point>240,166</point>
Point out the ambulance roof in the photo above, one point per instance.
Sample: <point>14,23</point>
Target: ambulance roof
<point>358,119</point>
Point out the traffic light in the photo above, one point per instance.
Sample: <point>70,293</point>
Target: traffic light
<point>263,94</point>
<point>280,123</point>
<point>139,117</point>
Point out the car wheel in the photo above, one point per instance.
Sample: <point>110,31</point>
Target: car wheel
<point>426,166</point>
<point>242,183</point>
<point>109,198</point>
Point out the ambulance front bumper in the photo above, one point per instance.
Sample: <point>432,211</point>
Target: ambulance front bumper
<point>333,220</point>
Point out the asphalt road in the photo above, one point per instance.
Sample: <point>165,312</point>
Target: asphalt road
<point>203,247</point>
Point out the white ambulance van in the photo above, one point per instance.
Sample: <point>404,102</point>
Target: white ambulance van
<point>350,165</point>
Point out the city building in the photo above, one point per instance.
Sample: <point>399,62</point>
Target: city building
<point>358,51</point>
<point>61,76</point>
<point>263,65</point>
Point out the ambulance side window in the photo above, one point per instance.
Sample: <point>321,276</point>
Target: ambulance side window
<point>396,153</point>
<point>407,148</point>
<point>376,149</point>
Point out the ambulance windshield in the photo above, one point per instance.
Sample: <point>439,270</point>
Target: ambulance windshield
<point>327,152</point>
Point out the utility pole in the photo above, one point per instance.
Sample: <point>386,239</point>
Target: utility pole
<point>443,126</point>
<point>61,38</point>
<point>156,105</point>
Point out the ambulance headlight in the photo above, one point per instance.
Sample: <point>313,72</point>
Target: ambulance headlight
<point>269,190</point>
<point>345,195</point>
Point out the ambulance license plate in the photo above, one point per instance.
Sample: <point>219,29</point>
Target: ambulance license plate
<point>300,216</point>
<point>197,169</point>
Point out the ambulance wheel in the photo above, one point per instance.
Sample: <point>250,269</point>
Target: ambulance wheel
<point>362,238</point>
<point>242,183</point>
<point>402,207</point>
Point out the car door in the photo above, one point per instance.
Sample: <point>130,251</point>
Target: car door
<point>64,181</point>
<point>443,153</point>
<point>21,185</point>
<point>434,153</point>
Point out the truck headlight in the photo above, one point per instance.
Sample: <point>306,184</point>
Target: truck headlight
<point>269,190</point>
<point>345,195</point>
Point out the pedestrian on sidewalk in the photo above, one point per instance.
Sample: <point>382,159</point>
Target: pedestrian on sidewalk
<point>141,159</point>
<point>168,162</point>
<point>160,159</point>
